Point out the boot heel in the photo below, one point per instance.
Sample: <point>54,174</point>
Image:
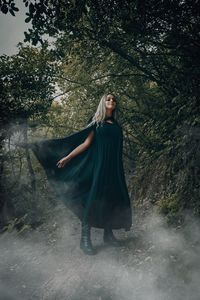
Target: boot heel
<point>110,239</point>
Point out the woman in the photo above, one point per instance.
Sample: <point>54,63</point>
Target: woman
<point>90,176</point>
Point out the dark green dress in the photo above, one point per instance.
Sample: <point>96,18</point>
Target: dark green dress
<point>92,184</point>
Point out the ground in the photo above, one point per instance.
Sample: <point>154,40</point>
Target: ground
<point>155,262</point>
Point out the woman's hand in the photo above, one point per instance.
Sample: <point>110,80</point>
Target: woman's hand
<point>82,147</point>
<point>61,163</point>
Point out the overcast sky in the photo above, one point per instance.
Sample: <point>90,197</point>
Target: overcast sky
<point>12,29</point>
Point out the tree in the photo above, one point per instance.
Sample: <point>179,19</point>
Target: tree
<point>26,84</point>
<point>26,91</point>
<point>147,51</point>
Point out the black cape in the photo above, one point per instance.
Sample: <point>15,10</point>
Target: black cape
<point>92,184</point>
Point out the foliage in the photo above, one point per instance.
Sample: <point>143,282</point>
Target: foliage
<point>23,206</point>
<point>26,84</point>
<point>147,53</point>
<point>8,6</point>
<point>26,91</point>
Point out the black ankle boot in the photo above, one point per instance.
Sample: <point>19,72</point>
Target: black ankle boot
<point>85,243</point>
<point>109,238</point>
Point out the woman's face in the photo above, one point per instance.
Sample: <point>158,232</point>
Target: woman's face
<point>111,102</point>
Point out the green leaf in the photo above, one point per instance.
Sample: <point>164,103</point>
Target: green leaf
<point>31,8</point>
<point>4,9</point>
<point>12,12</point>
<point>27,20</point>
<point>15,8</point>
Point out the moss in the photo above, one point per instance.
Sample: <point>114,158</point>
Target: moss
<point>171,207</point>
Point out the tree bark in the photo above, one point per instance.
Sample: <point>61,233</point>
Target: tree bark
<point>28,158</point>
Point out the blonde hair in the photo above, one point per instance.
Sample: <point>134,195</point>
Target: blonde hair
<point>100,113</point>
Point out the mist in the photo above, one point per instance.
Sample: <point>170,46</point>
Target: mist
<point>155,262</point>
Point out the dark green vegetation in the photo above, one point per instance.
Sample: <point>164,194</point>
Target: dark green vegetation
<point>147,53</point>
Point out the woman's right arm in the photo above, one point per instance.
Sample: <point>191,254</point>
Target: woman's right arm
<point>82,147</point>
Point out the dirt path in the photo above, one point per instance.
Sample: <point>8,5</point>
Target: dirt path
<point>154,262</point>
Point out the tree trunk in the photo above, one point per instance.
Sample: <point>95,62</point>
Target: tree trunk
<point>29,164</point>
